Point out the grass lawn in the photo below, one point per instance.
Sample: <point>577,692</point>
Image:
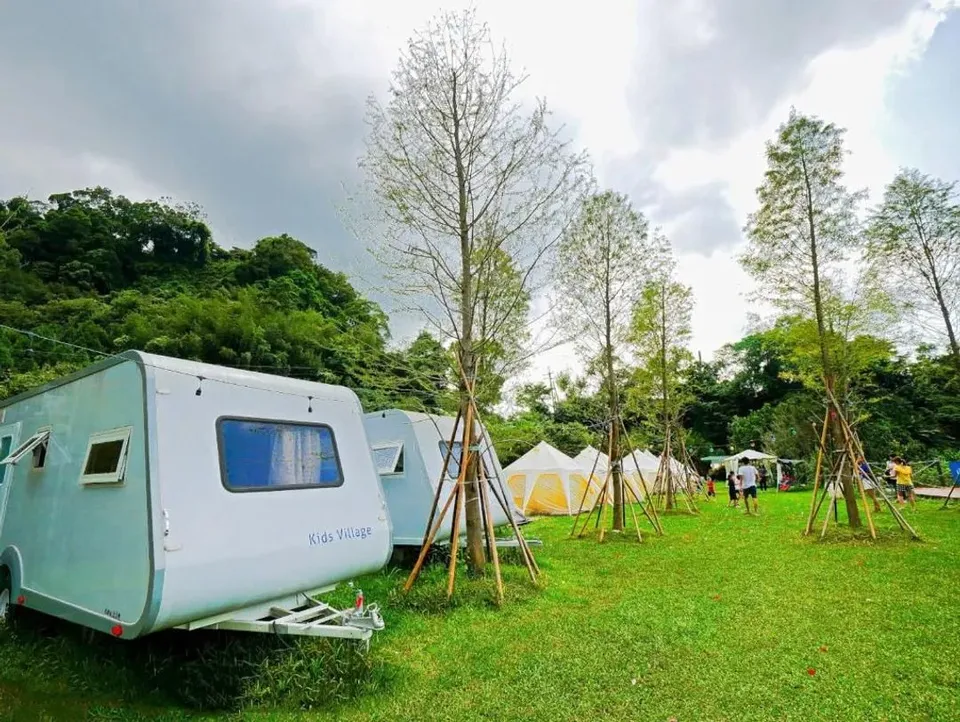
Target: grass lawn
<point>727,617</point>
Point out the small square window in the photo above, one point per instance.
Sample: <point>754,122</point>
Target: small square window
<point>106,458</point>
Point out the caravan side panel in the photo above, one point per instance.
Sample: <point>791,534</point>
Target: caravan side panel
<point>82,550</point>
<point>409,493</point>
<point>229,549</point>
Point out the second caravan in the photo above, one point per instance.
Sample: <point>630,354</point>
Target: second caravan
<point>408,450</point>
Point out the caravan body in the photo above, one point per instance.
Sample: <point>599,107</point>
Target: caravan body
<point>149,493</point>
<point>408,450</point>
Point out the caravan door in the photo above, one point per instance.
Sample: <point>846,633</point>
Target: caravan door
<point>9,437</point>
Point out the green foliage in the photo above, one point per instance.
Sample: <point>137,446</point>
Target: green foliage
<point>914,245</point>
<point>660,333</point>
<point>103,273</point>
<point>600,274</point>
<point>800,237</point>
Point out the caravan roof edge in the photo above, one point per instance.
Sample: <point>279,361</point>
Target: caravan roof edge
<point>93,368</point>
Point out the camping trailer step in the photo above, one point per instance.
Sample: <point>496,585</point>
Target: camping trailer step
<point>311,618</point>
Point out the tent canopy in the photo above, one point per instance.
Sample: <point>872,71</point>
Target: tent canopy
<point>588,457</point>
<point>547,481</point>
<point>751,454</point>
<point>544,457</point>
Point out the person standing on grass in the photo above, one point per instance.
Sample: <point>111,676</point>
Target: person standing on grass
<point>748,484</point>
<point>869,488</point>
<point>711,489</point>
<point>732,490</point>
<point>904,482</point>
<point>763,478</point>
<point>890,473</point>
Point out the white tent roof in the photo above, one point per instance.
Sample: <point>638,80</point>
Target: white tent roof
<point>544,457</point>
<point>588,456</point>
<point>751,454</point>
<point>645,462</point>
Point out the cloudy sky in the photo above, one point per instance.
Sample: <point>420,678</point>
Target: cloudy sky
<point>254,108</point>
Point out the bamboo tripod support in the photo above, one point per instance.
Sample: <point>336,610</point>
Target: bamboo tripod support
<point>606,490</point>
<point>845,470</point>
<point>664,485</point>
<point>456,498</point>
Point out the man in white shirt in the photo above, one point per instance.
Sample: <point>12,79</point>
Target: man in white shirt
<point>748,484</point>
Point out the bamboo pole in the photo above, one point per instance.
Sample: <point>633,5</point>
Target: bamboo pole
<point>901,520</point>
<point>859,483</point>
<point>655,520</point>
<point>443,472</point>
<point>583,498</point>
<point>485,501</point>
<point>527,554</point>
<point>461,494</point>
<point>415,572</point>
<point>816,473</point>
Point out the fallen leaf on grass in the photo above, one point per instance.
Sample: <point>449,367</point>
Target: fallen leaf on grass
<point>823,648</point>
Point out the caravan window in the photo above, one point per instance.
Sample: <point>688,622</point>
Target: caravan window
<point>260,455</point>
<point>388,459</point>
<point>453,468</point>
<point>106,458</point>
<point>36,444</point>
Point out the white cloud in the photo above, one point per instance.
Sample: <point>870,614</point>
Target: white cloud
<point>847,87</point>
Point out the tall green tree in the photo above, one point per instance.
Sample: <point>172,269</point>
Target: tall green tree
<point>600,274</point>
<point>804,230</point>
<point>660,333</point>
<point>462,174</point>
<point>914,244</point>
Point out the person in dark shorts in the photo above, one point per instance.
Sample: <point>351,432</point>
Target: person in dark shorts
<point>732,490</point>
<point>762,475</point>
<point>748,484</point>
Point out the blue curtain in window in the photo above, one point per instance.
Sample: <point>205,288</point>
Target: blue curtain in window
<point>263,455</point>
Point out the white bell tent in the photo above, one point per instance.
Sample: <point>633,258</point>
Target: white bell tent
<point>547,481</point>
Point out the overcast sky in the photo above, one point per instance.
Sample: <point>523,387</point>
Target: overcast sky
<point>254,108</point>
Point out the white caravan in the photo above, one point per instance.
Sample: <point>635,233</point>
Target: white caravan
<point>408,450</point>
<point>145,493</point>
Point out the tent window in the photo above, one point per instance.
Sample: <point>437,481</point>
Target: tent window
<point>388,459</point>
<point>262,455</point>
<point>106,459</point>
<point>36,444</point>
<point>453,468</point>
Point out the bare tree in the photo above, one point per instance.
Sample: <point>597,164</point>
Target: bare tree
<point>465,175</point>
<point>799,238</point>
<point>914,244</point>
<point>600,275</point>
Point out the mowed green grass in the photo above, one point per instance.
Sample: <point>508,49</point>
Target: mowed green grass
<point>727,617</point>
